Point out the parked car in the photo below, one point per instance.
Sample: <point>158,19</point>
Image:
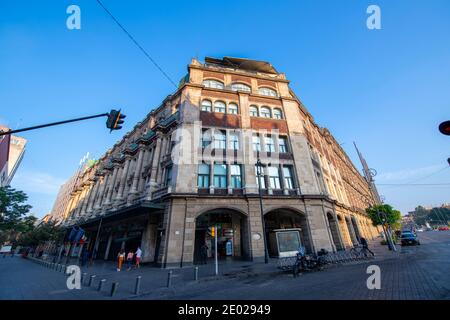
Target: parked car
<point>419,230</point>
<point>409,238</point>
<point>443,228</point>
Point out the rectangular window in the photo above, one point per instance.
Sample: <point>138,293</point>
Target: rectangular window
<point>269,144</point>
<point>203,175</point>
<point>274,178</point>
<point>220,175</point>
<point>263,182</point>
<point>234,141</point>
<point>288,178</point>
<point>236,176</point>
<point>256,143</point>
<point>168,176</point>
<point>283,144</point>
<point>206,139</point>
<point>220,140</point>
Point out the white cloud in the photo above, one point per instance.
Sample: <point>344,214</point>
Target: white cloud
<point>37,182</point>
<point>414,173</point>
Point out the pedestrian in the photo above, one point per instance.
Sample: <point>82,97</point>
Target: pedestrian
<point>120,259</point>
<point>84,257</point>
<point>138,257</point>
<point>204,253</point>
<point>365,246</point>
<point>130,256</point>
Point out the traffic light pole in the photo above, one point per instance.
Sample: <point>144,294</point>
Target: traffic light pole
<point>53,124</point>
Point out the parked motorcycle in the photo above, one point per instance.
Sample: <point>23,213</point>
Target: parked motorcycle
<point>306,262</point>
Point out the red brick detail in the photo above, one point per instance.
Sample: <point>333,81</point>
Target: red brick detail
<point>268,124</point>
<point>261,100</point>
<point>222,95</point>
<point>214,119</point>
<point>236,78</point>
<point>266,83</point>
<point>209,74</point>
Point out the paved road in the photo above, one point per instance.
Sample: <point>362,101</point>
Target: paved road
<point>419,272</point>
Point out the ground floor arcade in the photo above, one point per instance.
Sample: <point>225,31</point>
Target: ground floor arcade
<point>181,231</point>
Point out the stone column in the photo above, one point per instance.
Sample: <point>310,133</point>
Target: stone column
<point>211,177</point>
<point>283,181</point>
<point>101,192</point>
<point>93,195</point>
<point>154,168</point>
<point>111,183</point>
<point>230,187</point>
<point>162,154</point>
<point>137,172</point>
<point>123,179</point>
<point>146,159</point>
<point>85,199</point>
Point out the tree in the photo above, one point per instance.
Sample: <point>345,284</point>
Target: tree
<point>12,209</point>
<point>42,233</point>
<point>384,213</point>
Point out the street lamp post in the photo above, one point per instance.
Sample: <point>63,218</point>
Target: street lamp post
<point>266,253</point>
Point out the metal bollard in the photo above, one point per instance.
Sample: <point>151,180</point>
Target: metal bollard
<point>169,279</point>
<point>137,287</point>
<point>196,273</point>
<point>114,288</point>
<point>100,284</point>
<point>83,277</point>
<point>91,280</point>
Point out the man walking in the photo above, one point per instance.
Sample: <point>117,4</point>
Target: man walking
<point>365,246</point>
<point>138,257</point>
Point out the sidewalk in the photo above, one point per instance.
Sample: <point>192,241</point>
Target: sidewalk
<point>155,279</point>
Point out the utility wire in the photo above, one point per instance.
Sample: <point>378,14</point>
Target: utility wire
<point>413,184</point>
<point>137,43</point>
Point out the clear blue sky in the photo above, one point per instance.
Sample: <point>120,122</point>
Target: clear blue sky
<point>385,89</point>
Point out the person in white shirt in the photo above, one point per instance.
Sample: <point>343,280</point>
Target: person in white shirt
<point>138,257</point>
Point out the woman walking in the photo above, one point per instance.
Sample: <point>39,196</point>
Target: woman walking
<point>120,259</point>
<point>130,256</point>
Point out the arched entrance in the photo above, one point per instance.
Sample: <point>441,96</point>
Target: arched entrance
<point>287,219</point>
<point>232,234</point>
<point>356,228</point>
<point>335,234</point>
<point>351,231</point>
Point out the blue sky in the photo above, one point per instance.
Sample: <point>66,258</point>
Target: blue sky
<point>385,89</point>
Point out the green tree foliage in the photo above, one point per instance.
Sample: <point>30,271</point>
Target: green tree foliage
<point>41,234</point>
<point>435,216</point>
<point>384,213</point>
<point>13,208</point>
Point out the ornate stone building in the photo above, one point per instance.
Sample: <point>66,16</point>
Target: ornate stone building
<point>190,165</point>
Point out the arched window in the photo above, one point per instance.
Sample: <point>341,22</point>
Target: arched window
<point>219,106</point>
<point>277,113</point>
<point>240,87</point>
<point>206,106</point>
<point>213,84</point>
<point>265,112</point>
<point>232,108</point>
<point>253,111</point>
<point>267,92</point>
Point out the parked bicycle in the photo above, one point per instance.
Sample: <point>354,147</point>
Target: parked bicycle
<point>306,262</point>
<point>361,252</point>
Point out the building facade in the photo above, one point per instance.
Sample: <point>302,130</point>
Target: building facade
<point>62,199</point>
<point>12,150</point>
<point>191,164</point>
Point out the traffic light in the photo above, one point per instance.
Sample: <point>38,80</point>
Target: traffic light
<point>212,231</point>
<point>115,119</point>
<point>444,128</point>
